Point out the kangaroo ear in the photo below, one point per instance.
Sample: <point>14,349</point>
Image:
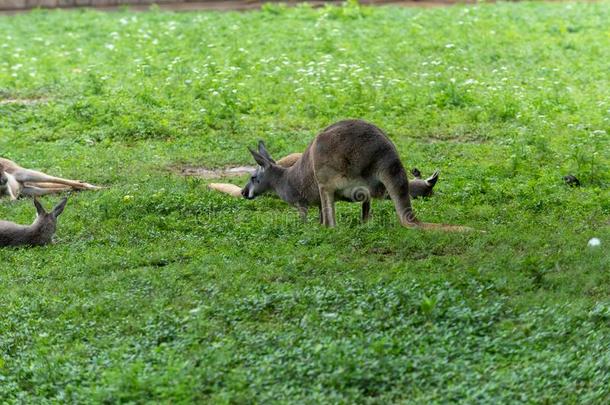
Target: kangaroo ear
<point>434,178</point>
<point>263,151</point>
<point>39,208</point>
<point>260,159</point>
<point>59,208</point>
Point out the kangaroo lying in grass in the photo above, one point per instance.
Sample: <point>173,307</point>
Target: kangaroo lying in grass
<point>16,180</point>
<point>38,234</point>
<point>351,160</point>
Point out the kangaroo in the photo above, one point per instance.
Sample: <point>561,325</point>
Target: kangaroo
<point>38,234</point>
<point>16,180</point>
<point>351,160</point>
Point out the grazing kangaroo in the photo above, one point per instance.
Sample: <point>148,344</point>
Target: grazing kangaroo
<point>16,180</point>
<point>350,160</point>
<point>38,234</point>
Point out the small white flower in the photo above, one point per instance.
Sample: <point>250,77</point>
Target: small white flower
<point>109,46</point>
<point>594,242</point>
<point>449,46</point>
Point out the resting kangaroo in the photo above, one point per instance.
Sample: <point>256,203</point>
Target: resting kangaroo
<point>351,160</point>
<point>16,180</point>
<point>37,234</point>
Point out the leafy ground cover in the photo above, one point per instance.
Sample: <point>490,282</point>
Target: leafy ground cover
<point>158,289</point>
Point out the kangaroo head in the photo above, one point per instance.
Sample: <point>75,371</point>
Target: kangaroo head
<point>261,180</point>
<point>46,222</point>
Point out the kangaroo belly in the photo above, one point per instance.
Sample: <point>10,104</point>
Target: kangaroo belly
<point>360,190</point>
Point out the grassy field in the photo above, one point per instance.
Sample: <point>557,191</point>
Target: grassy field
<point>160,290</point>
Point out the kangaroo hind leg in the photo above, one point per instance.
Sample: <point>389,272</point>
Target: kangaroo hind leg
<point>33,176</point>
<point>32,191</point>
<point>327,201</point>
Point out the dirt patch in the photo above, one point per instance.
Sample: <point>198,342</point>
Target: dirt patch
<point>465,138</point>
<point>207,173</point>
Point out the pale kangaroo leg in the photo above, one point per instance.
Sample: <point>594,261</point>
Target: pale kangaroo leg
<point>37,191</point>
<point>327,199</point>
<point>13,187</point>
<point>47,185</point>
<point>33,176</point>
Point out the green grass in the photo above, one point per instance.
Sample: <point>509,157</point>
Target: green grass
<point>160,290</point>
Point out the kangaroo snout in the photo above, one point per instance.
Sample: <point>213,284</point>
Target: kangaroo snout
<point>245,192</point>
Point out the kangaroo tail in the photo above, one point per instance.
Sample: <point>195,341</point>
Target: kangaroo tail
<point>394,178</point>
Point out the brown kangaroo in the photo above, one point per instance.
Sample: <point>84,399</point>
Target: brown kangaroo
<point>351,160</point>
